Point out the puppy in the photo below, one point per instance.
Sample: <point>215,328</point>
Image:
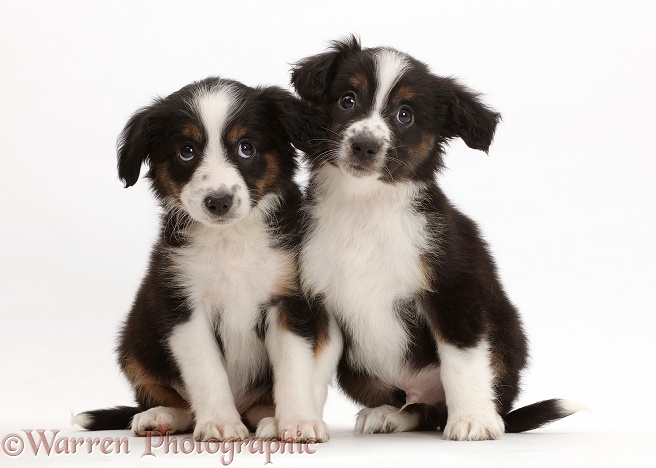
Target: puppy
<point>219,329</point>
<point>430,338</point>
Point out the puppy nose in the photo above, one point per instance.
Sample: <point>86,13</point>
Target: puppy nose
<point>364,147</point>
<point>218,204</point>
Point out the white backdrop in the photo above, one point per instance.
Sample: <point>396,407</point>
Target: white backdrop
<point>565,198</point>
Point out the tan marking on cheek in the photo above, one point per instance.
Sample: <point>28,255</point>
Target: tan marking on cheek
<point>360,82</point>
<point>236,133</point>
<point>421,151</point>
<point>164,181</point>
<point>404,93</point>
<point>150,388</point>
<point>192,131</point>
<point>270,177</point>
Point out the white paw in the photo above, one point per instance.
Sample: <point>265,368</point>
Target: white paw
<point>224,430</point>
<point>385,419</point>
<point>303,430</point>
<point>267,429</point>
<point>478,427</point>
<point>161,419</point>
<point>293,429</point>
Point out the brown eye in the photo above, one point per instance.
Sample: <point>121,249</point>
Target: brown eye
<point>347,101</point>
<point>245,150</point>
<point>404,116</point>
<point>186,153</point>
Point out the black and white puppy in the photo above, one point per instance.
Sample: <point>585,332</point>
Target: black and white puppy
<point>427,326</point>
<point>219,328</point>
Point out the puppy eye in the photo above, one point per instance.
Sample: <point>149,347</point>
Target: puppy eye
<point>245,150</point>
<point>347,101</point>
<point>404,116</point>
<point>186,153</point>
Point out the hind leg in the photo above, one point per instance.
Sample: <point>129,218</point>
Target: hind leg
<point>383,413</point>
<point>165,410</point>
<point>387,419</point>
<point>162,419</point>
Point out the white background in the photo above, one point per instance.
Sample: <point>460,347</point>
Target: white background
<point>565,198</point>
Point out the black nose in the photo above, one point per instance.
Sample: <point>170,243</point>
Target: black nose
<point>218,204</point>
<point>364,147</point>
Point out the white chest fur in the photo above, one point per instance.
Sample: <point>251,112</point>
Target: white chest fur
<point>228,275</point>
<point>363,254</point>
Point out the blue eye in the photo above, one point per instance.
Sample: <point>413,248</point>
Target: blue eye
<point>246,150</point>
<point>186,153</point>
<point>404,116</point>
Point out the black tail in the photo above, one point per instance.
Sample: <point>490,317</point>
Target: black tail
<point>107,419</point>
<point>538,414</point>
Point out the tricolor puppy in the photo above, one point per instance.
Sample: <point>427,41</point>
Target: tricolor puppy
<point>219,328</point>
<point>430,338</point>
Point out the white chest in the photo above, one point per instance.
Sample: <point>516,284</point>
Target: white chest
<point>363,253</point>
<point>230,272</point>
<point>229,275</point>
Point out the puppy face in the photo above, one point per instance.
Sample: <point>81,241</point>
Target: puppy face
<point>389,116</point>
<point>215,148</point>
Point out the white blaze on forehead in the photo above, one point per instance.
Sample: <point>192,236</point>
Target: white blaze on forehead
<point>390,67</point>
<point>215,106</point>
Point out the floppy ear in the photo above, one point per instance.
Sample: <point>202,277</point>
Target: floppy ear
<point>304,124</point>
<point>134,144</point>
<point>468,118</point>
<point>311,75</point>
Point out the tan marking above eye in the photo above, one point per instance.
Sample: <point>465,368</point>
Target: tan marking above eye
<point>236,133</point>
<point>192,131</point>
<point>360,82</point>
<point>404,93</point>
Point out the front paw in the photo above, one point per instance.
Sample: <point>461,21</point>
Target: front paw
<point>222,430</point>
<point>474,427</point>
<point>292,430</point>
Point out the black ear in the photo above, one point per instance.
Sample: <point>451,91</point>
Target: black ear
<point>468,118</point>
<point>303,124</point>
<point>311,75</point>
<point>134,144</point>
